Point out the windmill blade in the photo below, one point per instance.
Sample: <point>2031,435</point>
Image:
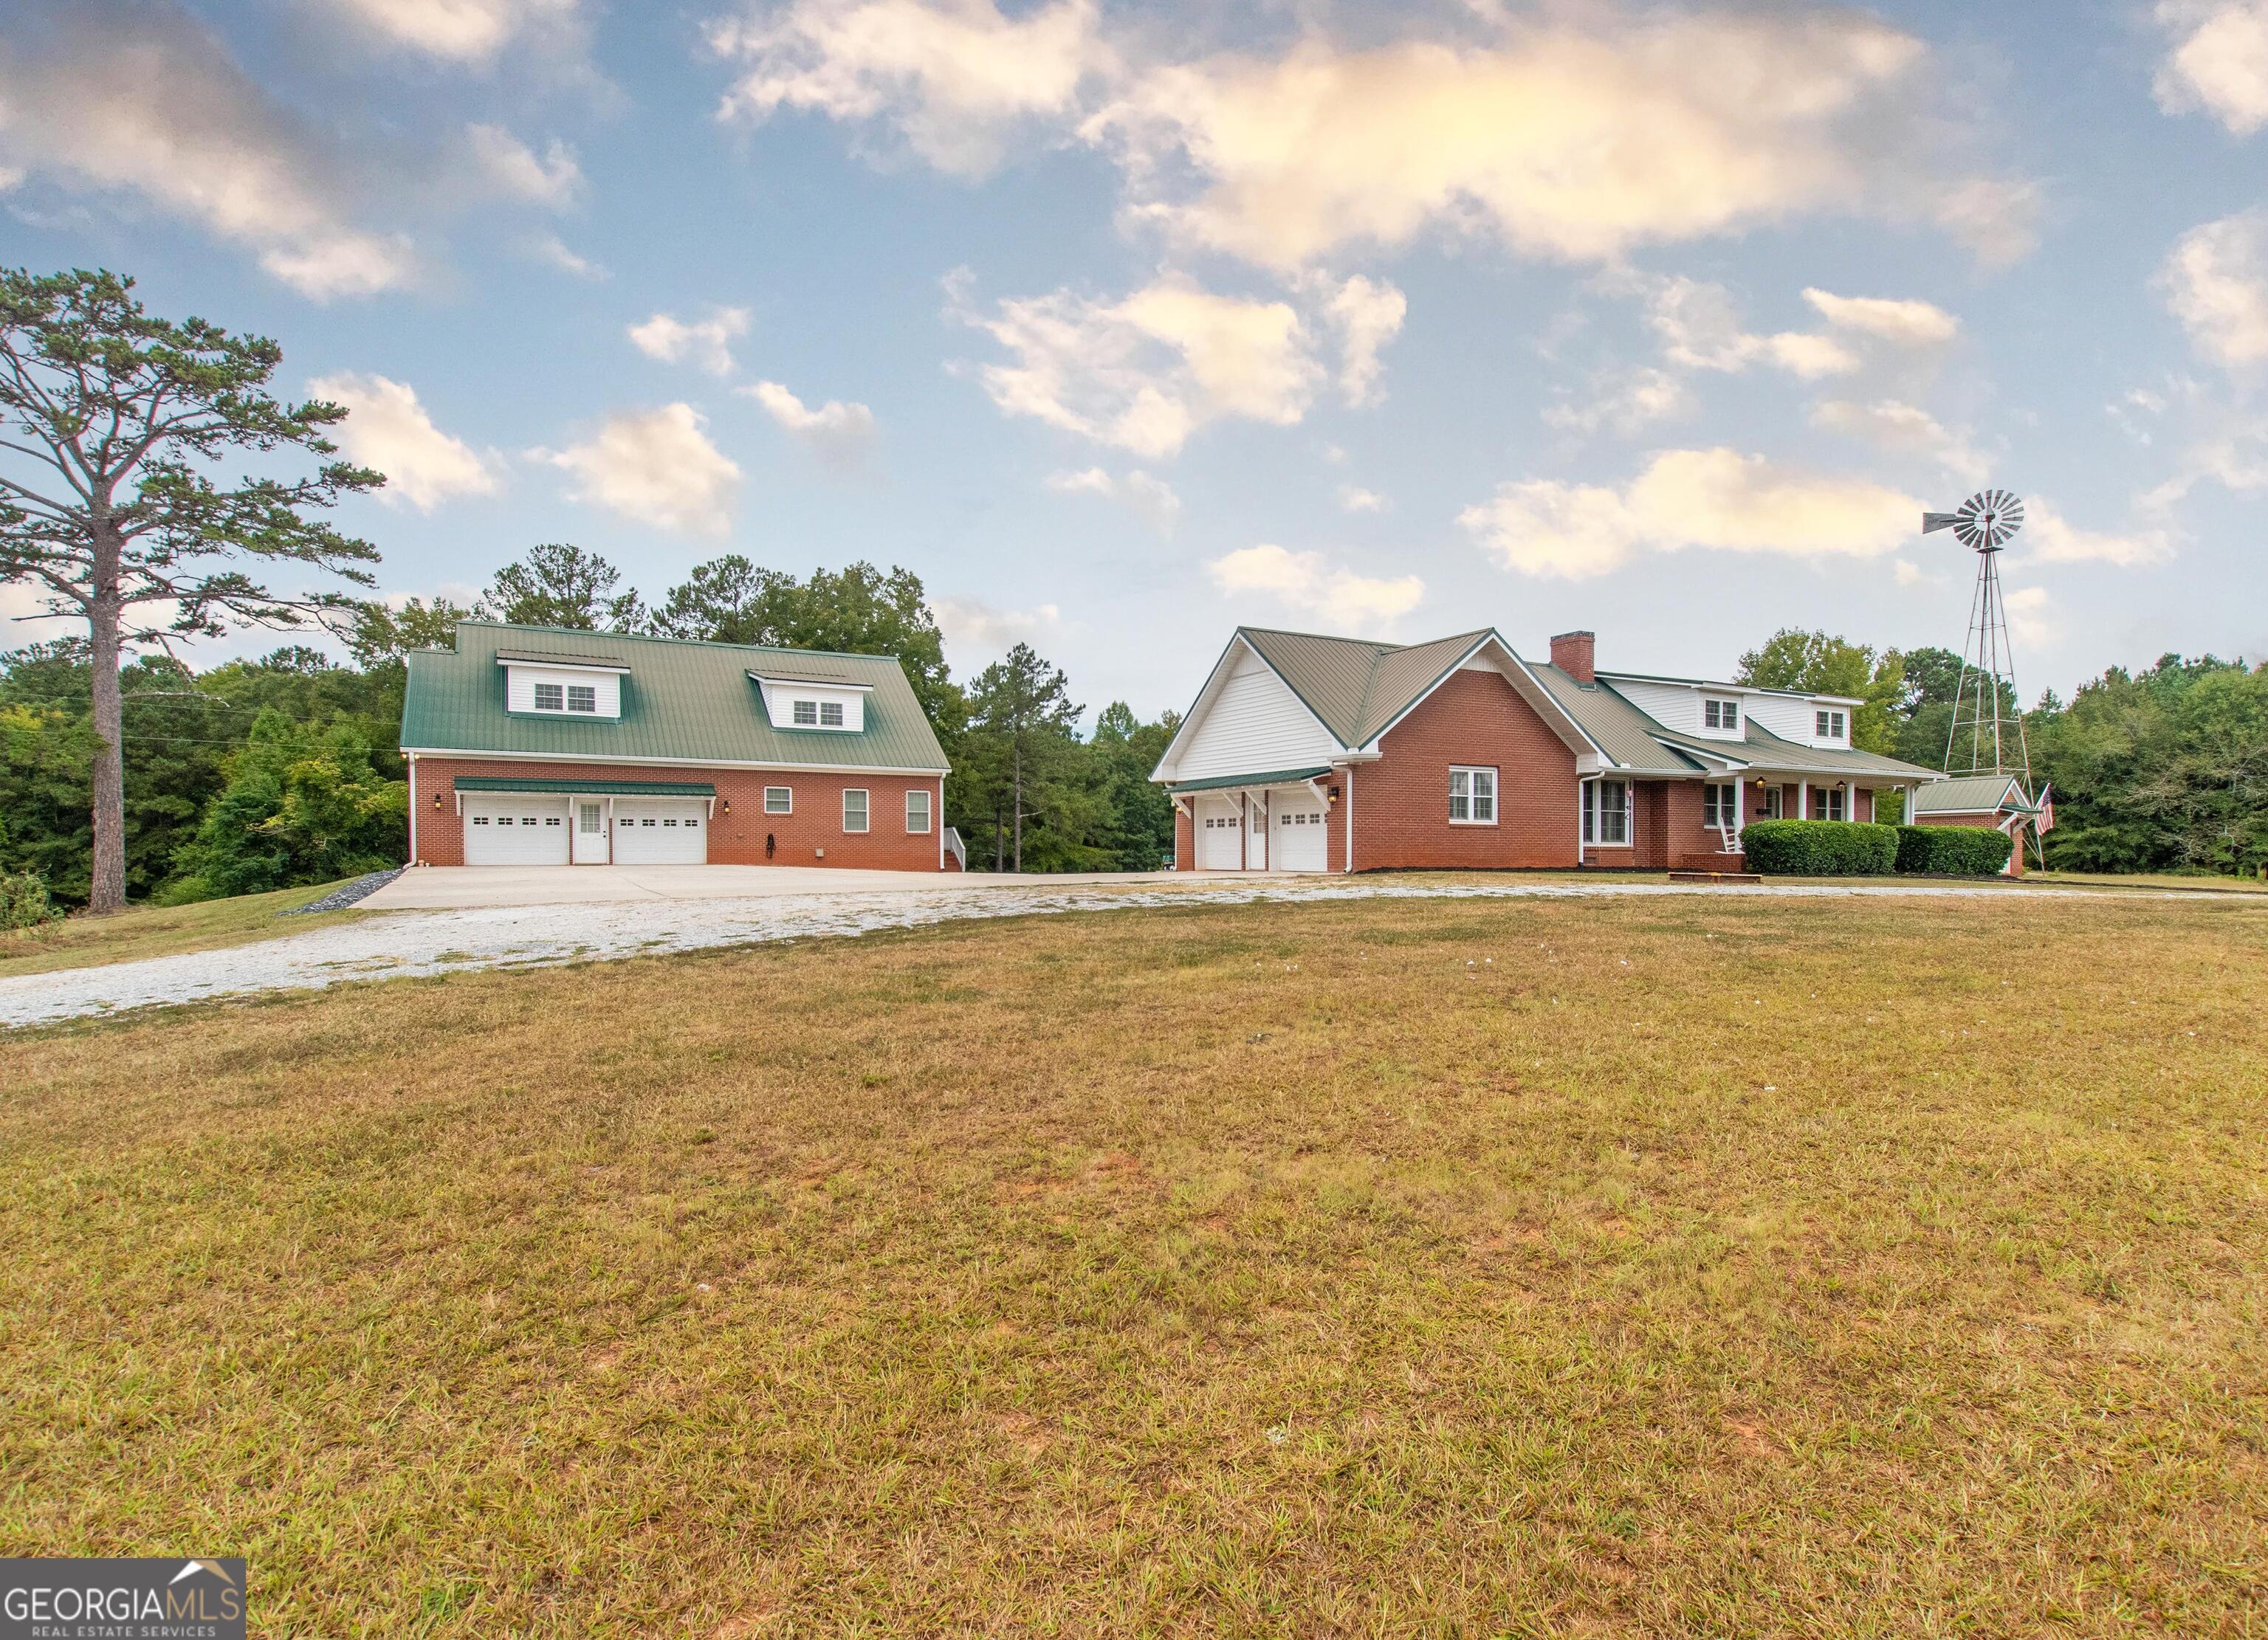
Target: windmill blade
<point>1932,522</point>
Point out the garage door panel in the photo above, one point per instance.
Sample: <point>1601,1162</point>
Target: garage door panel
<point>657,832</point>
<point>1299,834</point>
<point>1220,837</point>
<point>515,831</point>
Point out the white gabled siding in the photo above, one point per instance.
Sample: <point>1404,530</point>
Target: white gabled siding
<point>1785,715</point>
<point>520,681</point>
<point>1255,724</point>
<point>781,696</point>
<point>1672,705</point>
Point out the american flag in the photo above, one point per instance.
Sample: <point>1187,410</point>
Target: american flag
<point>2043,821</point>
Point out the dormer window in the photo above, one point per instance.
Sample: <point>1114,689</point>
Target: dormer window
<point>1828,725</point>
<point>575,685</point>
<point>820,704</point>
<point>1724,715</point>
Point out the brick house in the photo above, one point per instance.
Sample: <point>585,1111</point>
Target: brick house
<point>536,745</point>
<point>1311,753</point>
<point>1998,801</point>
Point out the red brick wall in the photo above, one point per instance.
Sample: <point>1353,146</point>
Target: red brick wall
<point>736,837</point>
<point>1185,838</point>
<point>1402,801</point>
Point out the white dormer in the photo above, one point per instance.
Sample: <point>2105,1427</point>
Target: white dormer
<point>562,686</point>
<point>1709,711</point>
<point>823,705</point>
<point>1831,722</point>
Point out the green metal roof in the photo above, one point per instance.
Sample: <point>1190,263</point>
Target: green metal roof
<point>1972,794</point>
<point>611,788</point>
<point>1272,777</point>
<point>682,703</point>
<point>1618,728</point>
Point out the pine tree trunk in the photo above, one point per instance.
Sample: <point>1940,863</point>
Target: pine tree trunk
<point>106,891</point>
<point>1017,760</point>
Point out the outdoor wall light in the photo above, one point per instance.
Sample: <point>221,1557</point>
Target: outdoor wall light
<point>724,805</point>
<point>436,800</point>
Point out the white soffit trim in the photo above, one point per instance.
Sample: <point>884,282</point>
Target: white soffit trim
<point>847,770</point>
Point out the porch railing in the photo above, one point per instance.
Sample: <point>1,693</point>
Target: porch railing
<point>955,847</point>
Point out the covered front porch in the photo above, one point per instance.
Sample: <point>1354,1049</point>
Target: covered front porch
<point>1695,825</point>
<point>1276,820</point>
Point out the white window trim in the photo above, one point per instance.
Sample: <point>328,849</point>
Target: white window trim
<point>535,696</point>
<point>786,792</point>
<point>865,810</point>
<point>1723,706</point>
<point>590,691</point>
<point>923,829</point>
<point>1838,724</point>
<point>1594,808</point>
<point>1472,792</point>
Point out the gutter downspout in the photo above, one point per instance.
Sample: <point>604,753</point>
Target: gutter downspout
<point>1349,870</point>
<point>413,808</point>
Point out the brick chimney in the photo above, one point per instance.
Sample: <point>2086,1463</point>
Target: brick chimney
<point>1576,654</point>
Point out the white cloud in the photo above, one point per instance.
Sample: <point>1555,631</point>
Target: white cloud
<point>1367,315</point>
<point>1625,404</point>
<point>1892,424</point>
<point>1144,372</point>
<point>1906,322</point>
<point>464,32</point>
<point>1149,497</point>
<point>1354,498</point>
<point>654,466</point>
<point>550,247</point>
<point>1307,582</point>
<point>1701,329</point>
<point>2029,620</point>
<point>1717,498</point>
<point>2047,537</point>
<point>551,179</point>
<point>387,428</point>
<point>953,78</point>
<point>1579,140</point>
<point>840,432</point>
<point>2219,61</point>
<point>2216,283</point>
<point>1908,573</point>
<point>213,149</point>
<point>972,628</point>
<point>1582,135</point>
<point>706,342</point>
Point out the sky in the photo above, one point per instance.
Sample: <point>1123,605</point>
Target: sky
<point>1120,325</point>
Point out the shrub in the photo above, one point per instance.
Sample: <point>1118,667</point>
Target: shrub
<point>24,901</point>
<point>1820,849</point>
<point>1953,850</point>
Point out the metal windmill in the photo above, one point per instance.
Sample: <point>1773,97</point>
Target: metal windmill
<point>1987,736</point>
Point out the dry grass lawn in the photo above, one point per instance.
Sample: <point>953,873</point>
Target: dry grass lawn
<point>88,942</point>
<point>1696,1266</point>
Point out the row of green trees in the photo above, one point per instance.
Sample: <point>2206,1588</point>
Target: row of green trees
<point>256,775</point>
<point>2165,769</point>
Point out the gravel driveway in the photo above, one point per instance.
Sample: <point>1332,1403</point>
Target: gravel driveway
<point>405,943</point>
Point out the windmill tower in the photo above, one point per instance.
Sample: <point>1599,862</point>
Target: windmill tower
<point>1987,736</point>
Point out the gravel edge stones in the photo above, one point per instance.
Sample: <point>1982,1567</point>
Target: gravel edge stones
<point>345,895</point>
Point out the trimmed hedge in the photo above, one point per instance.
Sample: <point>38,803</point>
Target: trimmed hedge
<point>1787,848</point>
<point>1953,850</point>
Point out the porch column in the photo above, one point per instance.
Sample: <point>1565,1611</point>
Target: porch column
<point>1803,800</point>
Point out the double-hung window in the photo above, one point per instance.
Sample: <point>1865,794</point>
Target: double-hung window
<point>1472,797</point>
<point>1719,807</point>
<point>582,698</point>
<point>1720,713</point>
<point>1607,813</point>
<point>779,800</point>
<point>806,714</point>
<point>918,810</point>
<point>548,698</point>
<point>1827,725</point>
<point>1832,803</point>
<point>830,714</point>
<point>854,810</point>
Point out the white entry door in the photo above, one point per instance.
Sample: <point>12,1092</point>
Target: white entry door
<point>515,831</point>
<point>661,831</point>
<point>1221,836</point>
<point>1299,832</point>
<point>590,827</point>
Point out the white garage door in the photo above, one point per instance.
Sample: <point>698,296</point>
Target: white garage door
<point>1299,832</point>
<point>516,831</point>
<point>661,831</point>
<point>1220,837</point>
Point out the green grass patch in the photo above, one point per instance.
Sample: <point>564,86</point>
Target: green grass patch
<point>85,942</point>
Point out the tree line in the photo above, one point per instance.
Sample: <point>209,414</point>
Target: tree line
<point>256,775</point>
<point>2163,769</point>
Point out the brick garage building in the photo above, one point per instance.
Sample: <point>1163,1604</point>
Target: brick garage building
<point>532,746</point>
<point>1311,753</point>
